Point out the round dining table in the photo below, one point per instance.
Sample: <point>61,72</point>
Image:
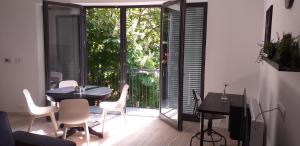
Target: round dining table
<point>90,92</point>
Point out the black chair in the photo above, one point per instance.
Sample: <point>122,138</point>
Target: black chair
<point>210,117</point>
<point>21,138</point>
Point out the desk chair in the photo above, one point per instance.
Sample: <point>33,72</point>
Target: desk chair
<point>210,117</point>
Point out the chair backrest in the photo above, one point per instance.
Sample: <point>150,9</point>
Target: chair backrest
<point>122,99</point>
<point>68,83</point>
<point>31,105</point>
<point>196,99</point>
<point>73,109</point>
<point>56,75</point>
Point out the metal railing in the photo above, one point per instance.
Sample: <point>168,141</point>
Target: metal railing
<point>143,85</point>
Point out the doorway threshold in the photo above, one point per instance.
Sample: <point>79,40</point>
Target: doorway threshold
<point>130,111</point>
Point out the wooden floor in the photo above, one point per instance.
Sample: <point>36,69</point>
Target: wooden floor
<point>137,131</point>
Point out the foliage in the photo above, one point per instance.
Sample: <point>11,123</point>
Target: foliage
<point>103,33</point>
<point>143,36</point>
<point>142,51</point>
<point>284,51</point>
<point>267,50</point>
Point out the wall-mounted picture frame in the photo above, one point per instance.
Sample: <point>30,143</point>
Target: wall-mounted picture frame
<point>268,26</point>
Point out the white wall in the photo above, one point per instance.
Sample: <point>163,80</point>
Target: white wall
<point>281,87</point>
<point>21,40</point>
<point>233,30</point>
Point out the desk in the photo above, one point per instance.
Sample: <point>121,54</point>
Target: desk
<point>91,93</point>
<point>213,104</point>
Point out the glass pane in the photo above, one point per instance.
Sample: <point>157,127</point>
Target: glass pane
<point>193,44</point>
<point>64,47</point>
<point>103,39</point>
<point>171,42</point>
<point>142,56</point>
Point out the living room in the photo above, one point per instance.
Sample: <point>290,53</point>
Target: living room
<point>233,31</point>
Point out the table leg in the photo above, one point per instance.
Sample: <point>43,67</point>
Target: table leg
<point>92,131</point>
<point>202,127</point>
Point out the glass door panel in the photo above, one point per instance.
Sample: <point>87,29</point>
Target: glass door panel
<point>63,43</point>
<point>194,45</point>
<point>170,65</point>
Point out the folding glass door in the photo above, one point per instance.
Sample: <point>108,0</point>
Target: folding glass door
<point>64,43</point>
<point>171,67</point>
<point>194,55</point>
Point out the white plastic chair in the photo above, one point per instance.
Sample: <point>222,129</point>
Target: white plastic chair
<point>115,106</point>
<point>67,83</point>
<point>37,111</point>
<point>75,113</point>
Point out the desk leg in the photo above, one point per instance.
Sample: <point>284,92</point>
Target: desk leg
<point>202,127</point>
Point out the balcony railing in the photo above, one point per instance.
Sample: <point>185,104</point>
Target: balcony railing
<point>143,85</point>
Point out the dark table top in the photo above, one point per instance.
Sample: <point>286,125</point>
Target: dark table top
<point>90,93</point>
<point>213,103</point>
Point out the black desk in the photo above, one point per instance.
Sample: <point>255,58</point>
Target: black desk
<point>91,93</point>
<point>213,104</point>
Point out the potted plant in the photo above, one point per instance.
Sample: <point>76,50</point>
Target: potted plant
<point>268,50</point>
<point>285,51</point>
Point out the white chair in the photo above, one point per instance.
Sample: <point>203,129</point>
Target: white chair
<point>37,112</point>
<point>67,83</point>
<point>115,106</point>
<point>75,113</point>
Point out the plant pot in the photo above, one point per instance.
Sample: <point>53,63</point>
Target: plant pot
<point>272,53</point>
<point>285,59</point>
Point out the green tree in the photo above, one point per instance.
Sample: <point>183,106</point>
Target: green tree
<point>142,50</point>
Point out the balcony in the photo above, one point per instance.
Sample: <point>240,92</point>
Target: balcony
<point>143,83</point>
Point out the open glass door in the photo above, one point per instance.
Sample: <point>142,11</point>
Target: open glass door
<point>64,43</point>
<point>171,66</point>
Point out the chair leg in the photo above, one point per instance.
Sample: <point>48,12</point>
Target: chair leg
<point>212,139</point>
<point>65,132</point>
<point>87,134</point>
<point>104,112</point>
<point>123,114</point>
<point>31,123</point>
<point>191,141</point>
<point>53,120</point>
<point>220,136</point>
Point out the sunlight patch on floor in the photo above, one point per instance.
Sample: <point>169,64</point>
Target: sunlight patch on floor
<point>40,132</point>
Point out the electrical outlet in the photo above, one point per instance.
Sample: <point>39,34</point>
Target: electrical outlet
<point>282,110</point>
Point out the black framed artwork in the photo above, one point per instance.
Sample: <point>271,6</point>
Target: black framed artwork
<point>268,26</point>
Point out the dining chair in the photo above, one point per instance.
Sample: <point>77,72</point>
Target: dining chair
<point>118,106</point>
<point>67,83</point>
<point>37,111</point>
<point>74,113</point>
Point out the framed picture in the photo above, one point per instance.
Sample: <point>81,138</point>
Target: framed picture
<point>268,26</point>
